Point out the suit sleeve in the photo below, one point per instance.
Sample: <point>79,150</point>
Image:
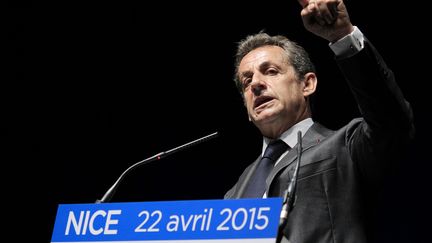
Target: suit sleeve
<point>387,125</point>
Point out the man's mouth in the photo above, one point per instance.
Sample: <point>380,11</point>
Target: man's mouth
<point>262,101</point>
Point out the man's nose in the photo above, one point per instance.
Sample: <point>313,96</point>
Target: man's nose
<point>257,87</point>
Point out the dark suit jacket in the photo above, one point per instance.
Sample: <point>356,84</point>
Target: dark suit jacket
<point>338,167</point>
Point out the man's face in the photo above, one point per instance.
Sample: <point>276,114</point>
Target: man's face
<point>273,95</point>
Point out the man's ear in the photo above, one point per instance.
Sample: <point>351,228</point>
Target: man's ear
<point>310,84</point>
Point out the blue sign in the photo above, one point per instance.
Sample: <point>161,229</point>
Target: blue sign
<point>198,220</point>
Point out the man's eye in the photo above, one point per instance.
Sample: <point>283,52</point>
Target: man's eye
<point>272,71</point>
<point>246,82</point>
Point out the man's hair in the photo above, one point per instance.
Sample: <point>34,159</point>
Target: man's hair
<point>297,55</point>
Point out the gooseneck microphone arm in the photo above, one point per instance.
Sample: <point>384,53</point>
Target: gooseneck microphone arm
<point>108,195</point>
<point>289,197</point>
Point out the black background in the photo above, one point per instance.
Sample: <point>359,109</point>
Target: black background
<point>92,88</point>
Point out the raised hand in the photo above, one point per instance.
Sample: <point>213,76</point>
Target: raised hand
<point>328,19</point>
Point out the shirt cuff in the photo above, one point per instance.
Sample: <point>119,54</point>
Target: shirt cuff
<point>349,45</point>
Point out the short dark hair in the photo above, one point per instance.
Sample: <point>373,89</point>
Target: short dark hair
<point>297,55</point>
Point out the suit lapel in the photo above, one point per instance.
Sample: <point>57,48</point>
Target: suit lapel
<point>313,136</point>
<point>239,193</point>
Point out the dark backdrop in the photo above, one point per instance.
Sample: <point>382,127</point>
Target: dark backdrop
<point>91,89</point>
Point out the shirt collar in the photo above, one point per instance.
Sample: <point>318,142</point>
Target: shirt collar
<point>290,135</point>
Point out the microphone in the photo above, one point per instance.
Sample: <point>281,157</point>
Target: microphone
<point>108,195</point>
<point>289,198</point>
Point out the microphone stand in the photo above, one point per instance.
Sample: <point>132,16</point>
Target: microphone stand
<point>108,195</point>
<point>289,197</point>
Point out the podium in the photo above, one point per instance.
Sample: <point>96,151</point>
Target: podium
<point>215,221</point>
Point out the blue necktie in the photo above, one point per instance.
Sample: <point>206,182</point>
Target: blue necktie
<point>257,184</point>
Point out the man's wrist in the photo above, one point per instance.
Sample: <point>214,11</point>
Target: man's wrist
<point>349,45</point>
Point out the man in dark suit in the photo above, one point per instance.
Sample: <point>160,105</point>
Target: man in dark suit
<point>276,79</point>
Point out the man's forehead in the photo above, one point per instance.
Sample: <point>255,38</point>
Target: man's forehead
<point>263,55</point>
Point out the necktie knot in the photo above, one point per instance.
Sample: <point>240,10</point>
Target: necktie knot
<point>275,149</point>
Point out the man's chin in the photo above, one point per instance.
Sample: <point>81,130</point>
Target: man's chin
<point>263,117</point>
